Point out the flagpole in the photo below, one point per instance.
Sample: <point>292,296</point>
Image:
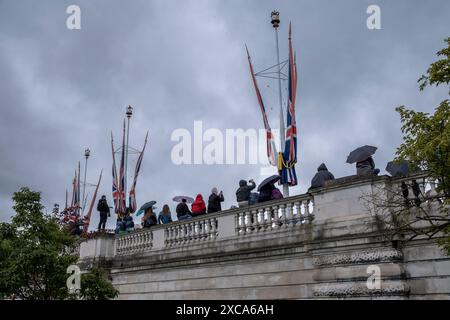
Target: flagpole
<point>87,153</point>
<point>129,113</point>
<point>276,23</point>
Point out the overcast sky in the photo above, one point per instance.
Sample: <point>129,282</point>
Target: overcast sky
<point>177,62</point>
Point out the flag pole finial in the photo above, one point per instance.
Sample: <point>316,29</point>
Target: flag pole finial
<point>275,19</point>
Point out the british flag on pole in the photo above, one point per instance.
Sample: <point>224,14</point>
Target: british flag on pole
<point>287,173</point>
<point>132,198</point>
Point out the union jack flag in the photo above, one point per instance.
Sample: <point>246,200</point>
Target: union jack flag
<point>132,197</point>
<point>271,149</point>
<point>288,174</point>
<point>115,191</point>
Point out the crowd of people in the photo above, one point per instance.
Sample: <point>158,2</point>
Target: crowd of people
<point>245,196</point>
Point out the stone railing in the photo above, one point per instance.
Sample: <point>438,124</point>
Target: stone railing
<point>203,229</point>
<point>291,212</point>
<point>138,241</point>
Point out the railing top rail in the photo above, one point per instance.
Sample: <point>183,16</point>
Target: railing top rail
<point>354,180</point>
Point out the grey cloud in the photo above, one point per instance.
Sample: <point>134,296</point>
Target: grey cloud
<point>181,61</point>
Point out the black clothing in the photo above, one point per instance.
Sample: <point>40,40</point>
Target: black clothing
<point>265,194</point>
<point>103,208</point>
<point>321,176</point>
<point>243,193</point>
<point>214,203</point>
<point>182,209</point>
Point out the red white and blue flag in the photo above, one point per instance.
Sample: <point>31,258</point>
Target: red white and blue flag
<point>271,149</point>
<point>121,189</point>
<point>132,197</point>
<point>287,173</point>
<point>115,190</point>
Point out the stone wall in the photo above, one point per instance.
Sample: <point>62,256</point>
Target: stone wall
<point>323,245</point>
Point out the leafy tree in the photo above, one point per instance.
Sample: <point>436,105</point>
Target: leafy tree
<point>426,144</point>
<point>35,253</point>
<point>95,286</point>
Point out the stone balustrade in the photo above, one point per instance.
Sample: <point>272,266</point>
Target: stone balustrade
<point>288,213</point>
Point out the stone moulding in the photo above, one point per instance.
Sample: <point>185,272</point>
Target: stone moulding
<point>360,289</point>
<point>378,255</point>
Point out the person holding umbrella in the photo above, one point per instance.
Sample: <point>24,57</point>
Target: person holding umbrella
<point>364,161</point>
<point>267,189</point>
<point>182,209</point>
<point>149,217</point>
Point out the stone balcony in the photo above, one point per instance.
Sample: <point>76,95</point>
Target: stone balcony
<point>329,234</point>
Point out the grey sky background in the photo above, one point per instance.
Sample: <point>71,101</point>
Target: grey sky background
<point>179,61</point>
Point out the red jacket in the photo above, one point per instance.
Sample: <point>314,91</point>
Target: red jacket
<point>198,206</point>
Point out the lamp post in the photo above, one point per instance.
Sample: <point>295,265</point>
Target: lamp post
<point>275,20</point>
<point>128,113</point>
<point>87,153</point>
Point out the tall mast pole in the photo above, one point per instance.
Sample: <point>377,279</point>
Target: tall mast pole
<point>129,113</point>
<point>87,153</point>
<point>276,23</point>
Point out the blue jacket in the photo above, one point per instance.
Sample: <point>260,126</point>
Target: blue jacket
<point>163,219</point>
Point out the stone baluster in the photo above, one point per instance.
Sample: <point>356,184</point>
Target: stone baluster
<point>134,242</point>
<point>311,209</point>
<point>236,223</point>
<point>289,214</point>
<point>283,216</point>
<point>247,222</point>
<point>137,245</point>
<point>275,218</point>
<point>167,236</point>
<point>241,223</point>
<point>255,224</point>
<point>190,226</point>
<point>261,221</point>
<point>298,214</point>
<point>196,231</point>
<point>214,227</point>
<point>208,229</point>
<point>203,230</point>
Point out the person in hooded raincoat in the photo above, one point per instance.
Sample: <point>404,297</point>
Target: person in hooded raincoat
<point>321,176</point>
<point>198,206</point>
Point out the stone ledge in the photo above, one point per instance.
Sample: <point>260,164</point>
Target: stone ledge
<point>361,289</point>
<point>378,255</point>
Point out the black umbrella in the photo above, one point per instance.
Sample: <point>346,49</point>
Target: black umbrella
<point>145,207</point>
<point>398,169</point>
<point>361,154</point>
<point>180,199</point>
<point>271,179</point>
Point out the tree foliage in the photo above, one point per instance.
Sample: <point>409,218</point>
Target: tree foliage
<point>95,286</point>
<point>35,253</point>
<point>426,140</point>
